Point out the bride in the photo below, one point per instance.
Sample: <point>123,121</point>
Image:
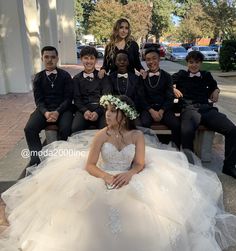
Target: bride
<point>120,195</point>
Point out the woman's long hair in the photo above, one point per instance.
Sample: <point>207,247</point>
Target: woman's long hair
<point>115,37</point>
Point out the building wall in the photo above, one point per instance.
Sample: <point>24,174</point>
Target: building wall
<point>25,27</point>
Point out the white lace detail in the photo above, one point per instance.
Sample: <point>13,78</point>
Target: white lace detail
<point>114,220</point>
<point>115,160</point>
<point>138,186</point>
<point>175,234</point>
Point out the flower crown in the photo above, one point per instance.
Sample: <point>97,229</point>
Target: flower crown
<point>129,112</point>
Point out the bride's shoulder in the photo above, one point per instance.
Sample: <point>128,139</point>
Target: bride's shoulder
<point>101,135</point>
<point>137,134</point>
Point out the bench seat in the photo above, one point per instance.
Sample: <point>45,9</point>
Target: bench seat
<point>202,143</point>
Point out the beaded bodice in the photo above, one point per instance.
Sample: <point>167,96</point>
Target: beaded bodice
<point>115,160</point>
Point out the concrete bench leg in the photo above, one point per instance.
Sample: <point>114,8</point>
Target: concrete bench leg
<point>203,145</point>
<point>51,136</point>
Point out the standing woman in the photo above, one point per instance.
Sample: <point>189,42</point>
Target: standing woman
<point>121,39</point>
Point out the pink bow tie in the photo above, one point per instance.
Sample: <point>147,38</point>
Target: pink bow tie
<point>90,75</point>
<point>125,75</point>
<point>151,74</point>
<point>51,72</point>
<point>198,74</point>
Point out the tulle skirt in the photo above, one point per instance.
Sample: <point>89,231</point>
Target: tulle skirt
<point>169,206</point>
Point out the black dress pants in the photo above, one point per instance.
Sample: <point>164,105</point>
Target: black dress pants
<point>37,122</point>
<point>169,119</point>
<point>80,123</point>
<point>215,121</point>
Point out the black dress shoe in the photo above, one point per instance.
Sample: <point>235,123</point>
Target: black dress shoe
<point>230,171</point>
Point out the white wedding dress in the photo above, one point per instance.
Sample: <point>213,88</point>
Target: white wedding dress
<point>169,206</point>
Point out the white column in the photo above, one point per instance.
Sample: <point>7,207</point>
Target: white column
<point>15,56</point>
<point>48,23</point>
<point>66,32</point>
<point>32,28</point>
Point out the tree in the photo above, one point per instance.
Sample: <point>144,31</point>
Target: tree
<point>182,7</point>
<point>103,18</point>
<point>195,24</point>
<point>223,14</point>
<point>107,12</point>
<point>139,15</point>
<point>161,17</point>
<point>88,9</point>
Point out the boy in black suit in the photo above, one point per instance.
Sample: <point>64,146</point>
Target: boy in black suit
<point>124,82</point>
<point>197,91</point>
<point>88,88</point>
<point>157,96</point>
<point>53,93</point>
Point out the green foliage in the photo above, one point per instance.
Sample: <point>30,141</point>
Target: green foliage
<point>103,18</point>
<point>195,24</point>
<point>227,53</point>
<point>161,17</point>
<point>183,6</point>
<point>88,9</point>
<point>223,14</point>
<point>107,12</point>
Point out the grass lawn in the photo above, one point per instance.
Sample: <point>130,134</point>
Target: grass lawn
<point>206,65</point>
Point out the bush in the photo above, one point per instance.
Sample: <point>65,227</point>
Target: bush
<point>227,55</point>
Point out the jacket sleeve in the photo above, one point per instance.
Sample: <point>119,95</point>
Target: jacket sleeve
<point>142,103</point>
<point>77,96</point>
<point>106,86</point>
<point>169,96</point>
<point>106,61</point>
<point>176,78</point>
<point>68,94</point>
<point>211,83</point>
<point>135,51</point>
<point>38,94</point>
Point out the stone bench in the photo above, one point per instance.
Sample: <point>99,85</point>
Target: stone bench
<point>202,143</point>
<point>51,133</point>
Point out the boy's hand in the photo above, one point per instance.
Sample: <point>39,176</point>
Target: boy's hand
<point>87,115</point>
<point>177,93</point>
<point>93,116</point>
<point>101,73</point>
<point>156,115</point>
<point>215,95</point>
<point>143,73</point>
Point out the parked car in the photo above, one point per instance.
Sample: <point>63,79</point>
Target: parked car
<point>101,50</point>
<point>176,53</point>
<point>146,46</point>
<point>215,47</point>
<point>187,45</point>
<point>208,53</point>
<point>79,48</point>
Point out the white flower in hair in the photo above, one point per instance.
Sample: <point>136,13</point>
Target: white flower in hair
<point>130,112</point>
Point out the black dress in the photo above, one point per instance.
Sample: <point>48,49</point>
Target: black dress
<point>134,60</point>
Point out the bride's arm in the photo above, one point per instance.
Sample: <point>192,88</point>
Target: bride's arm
<point>138,162</point>
<point>91,166</point>
<point>137,165</point>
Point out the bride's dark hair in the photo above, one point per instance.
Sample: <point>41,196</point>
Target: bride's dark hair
<point>128,123</point>
<point>125,122</point>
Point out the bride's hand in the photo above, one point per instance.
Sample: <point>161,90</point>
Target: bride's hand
<point>108,178</point>
<point>122,179</point>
